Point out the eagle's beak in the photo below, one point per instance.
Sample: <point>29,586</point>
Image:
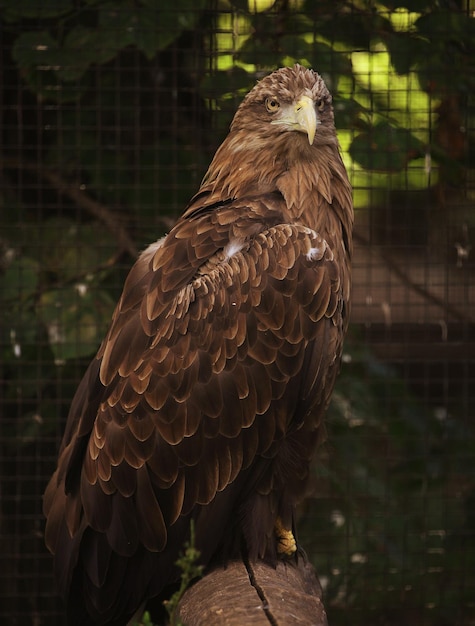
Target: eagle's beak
<point>306,117</point>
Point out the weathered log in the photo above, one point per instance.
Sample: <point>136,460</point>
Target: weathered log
<point>259,594</point>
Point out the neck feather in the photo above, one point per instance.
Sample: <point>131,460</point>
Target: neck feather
<point>308,177</point>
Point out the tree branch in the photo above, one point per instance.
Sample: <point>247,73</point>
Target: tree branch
<point>74,191</point>
<point>257,594</point>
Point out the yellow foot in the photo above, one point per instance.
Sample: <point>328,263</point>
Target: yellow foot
<point>286,544</point>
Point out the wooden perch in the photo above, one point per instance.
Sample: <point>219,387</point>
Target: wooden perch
<point>257,594</point>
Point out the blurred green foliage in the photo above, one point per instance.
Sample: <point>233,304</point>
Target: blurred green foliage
<point>110,114</point>
<point>390,529</point>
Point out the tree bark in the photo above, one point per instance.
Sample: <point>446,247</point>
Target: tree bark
<point>241,594</point>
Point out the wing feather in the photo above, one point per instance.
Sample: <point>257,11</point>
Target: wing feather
<point>170,499</point>
<point>124,479</point>
<point>225,468</point>
<point>122,532</point>
<point>202,374</point>
<point>152,529</point>
<point>164,465</point>
<point>96,558</point>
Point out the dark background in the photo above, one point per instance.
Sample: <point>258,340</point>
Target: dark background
<point>109,114</point>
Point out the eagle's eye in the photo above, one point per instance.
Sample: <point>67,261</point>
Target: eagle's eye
<point>320,105</point>
<point>272,105</point>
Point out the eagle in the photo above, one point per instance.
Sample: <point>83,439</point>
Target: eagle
<point>205,402</point>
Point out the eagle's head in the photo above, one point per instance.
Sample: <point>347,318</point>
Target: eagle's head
<point>289,99</point>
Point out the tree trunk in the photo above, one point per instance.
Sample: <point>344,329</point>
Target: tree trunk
<point>240,594</point>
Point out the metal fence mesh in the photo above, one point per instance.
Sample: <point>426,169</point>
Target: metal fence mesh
<point>109,115</point>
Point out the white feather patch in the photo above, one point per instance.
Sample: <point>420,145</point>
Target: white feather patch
<point>232,248</point>
<point>153,247</point>
<point>316,253</point>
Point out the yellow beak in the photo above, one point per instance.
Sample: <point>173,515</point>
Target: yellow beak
<point>306,117</point>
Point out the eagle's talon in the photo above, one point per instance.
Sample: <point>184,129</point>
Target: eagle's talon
<point>286,544</point>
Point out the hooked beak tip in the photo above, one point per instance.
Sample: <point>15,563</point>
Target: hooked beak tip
<point>307,117</point>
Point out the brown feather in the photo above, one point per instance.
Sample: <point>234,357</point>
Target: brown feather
<point>171,499</point>
<point>207,395</point>
<point>152,529</point>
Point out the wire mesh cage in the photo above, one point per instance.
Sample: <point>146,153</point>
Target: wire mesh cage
<point>109,115</point>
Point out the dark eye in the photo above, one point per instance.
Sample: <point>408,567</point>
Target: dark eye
<point>272,105</point>
<point>320,104</point>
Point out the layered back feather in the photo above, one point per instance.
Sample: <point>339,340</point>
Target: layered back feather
<point>206,398</point>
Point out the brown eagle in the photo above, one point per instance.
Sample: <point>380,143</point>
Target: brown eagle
<point>205,400</point>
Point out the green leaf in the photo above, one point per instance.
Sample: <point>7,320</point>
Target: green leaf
<point>406,50</point>
<point>330,63</point>
<point>356,29</point>
<point>119,21</point>
<point>19,282</point>
<point>446,71</point>
<point>76,319</point>
<point>450,25</point>
<point>385,148</point>
<point>49,65</point>
<point>41,61</point>
<point>261,53</point>
<point>39,52</point>
<point>38,9</point>
<point>295,46</point>
<point>83,47</point>
<point>348,113</point>
<point>70,250</point>
<point>150,27</point>
<point>449,64</point>
<point>18,290</point>
<point>35,49</point>
<point>226,83</point>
